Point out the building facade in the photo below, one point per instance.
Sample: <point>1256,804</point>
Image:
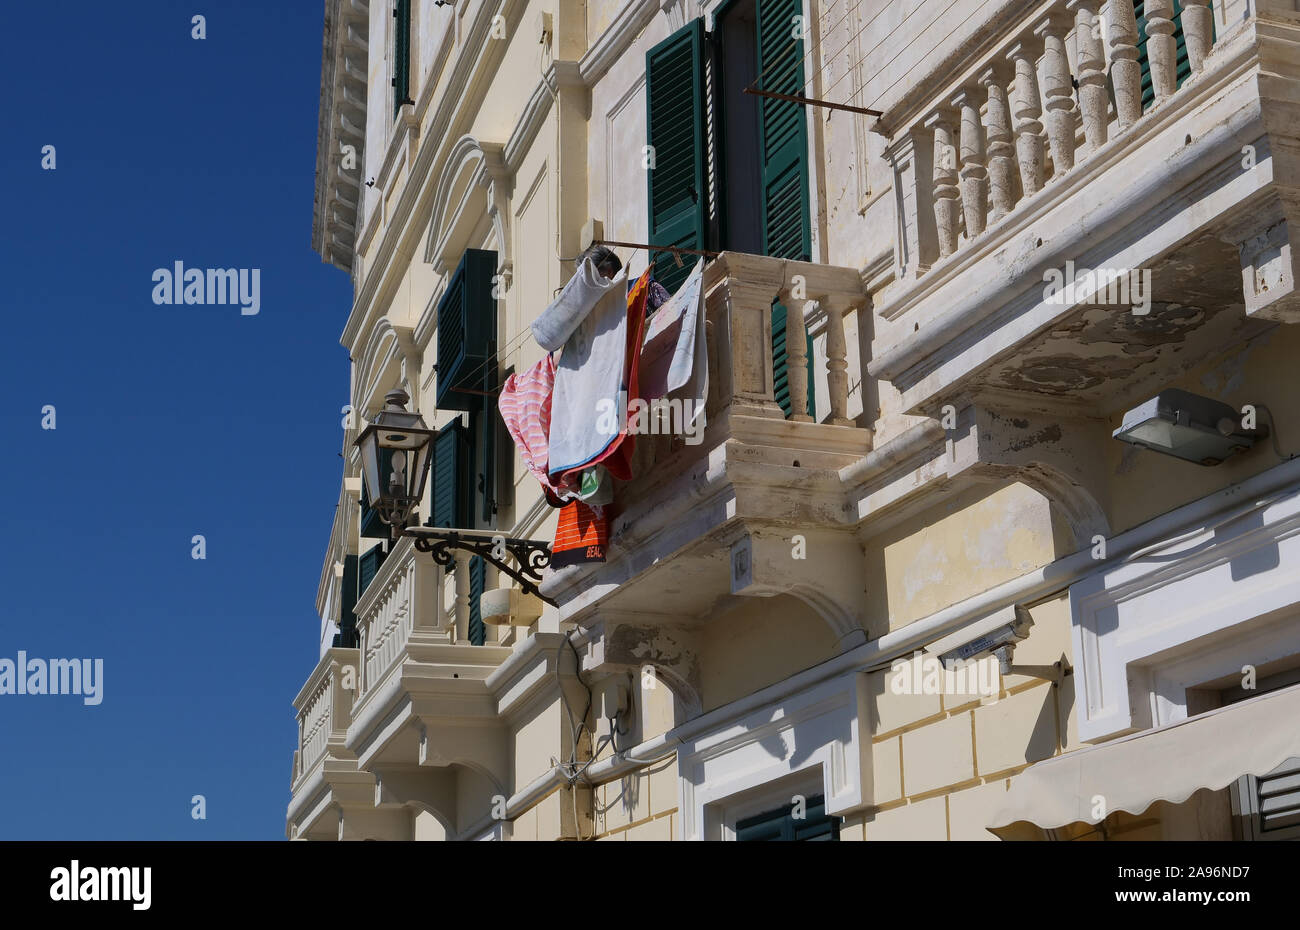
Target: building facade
<point>912,582</point>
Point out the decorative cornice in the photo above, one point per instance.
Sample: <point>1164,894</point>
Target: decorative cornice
<point>630,22</point>
<point>343,91</point>
<point>400,236</point>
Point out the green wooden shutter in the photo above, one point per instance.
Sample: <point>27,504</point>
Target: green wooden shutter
<point>467,315</point>
<point>787,225</point>
<point>787,229</point>
<point>1183,64</point>
<point>451,493</point>
<point>477,631</point>
<point>401,54</point>
<point>780,364</point>
<point>486,464</point>
<point>779,824</point>
<point>675,111</point>
<point>368,567</point>
<point>347,635</point>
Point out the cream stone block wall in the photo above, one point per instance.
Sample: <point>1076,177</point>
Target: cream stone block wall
<point>939,755</point>
<point>1016,730</point>
<point>978,540</point>
<point>940,761</point>
<point>735,653</point>
<point>921,820</point>
<point>970,809</point>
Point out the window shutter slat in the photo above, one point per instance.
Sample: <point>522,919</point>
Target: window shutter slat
<point>466,329</point>
<point>780,825</point>
<point>450,506</point>
<point>787,231</point>
<point>368,567</point>
<point>401,54</point>
<point>675,115</point>
<point>477,631</point>
<point>1279,797</point>
<point>347,635</point>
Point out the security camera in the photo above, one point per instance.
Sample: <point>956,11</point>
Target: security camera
<point>996,634</point>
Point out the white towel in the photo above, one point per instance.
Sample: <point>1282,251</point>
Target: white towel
<point>675,358</point>
<point>588,380</point>
<point>561,319</point>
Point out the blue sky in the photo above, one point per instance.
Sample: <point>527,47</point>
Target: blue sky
<point>171,421</point>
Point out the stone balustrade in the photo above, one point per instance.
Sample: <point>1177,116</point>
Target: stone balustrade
<point>740,290</point>
<point>324,707</point>
<point>1011,124</point>
<point>404,598</point>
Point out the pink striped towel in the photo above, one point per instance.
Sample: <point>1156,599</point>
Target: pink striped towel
<point>525,405</point>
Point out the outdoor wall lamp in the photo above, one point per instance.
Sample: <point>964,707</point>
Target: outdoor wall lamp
<point>395,459</point>
<point>1189,427</point>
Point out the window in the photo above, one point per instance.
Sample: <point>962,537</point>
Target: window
<point>401,54</point>
<point>452,492</point>
<point>368,568</point>
<point>730,169</point>
<point>780,824</point>
<point>468,377</point>
<point>1267,807</point>
<point>347,634</point>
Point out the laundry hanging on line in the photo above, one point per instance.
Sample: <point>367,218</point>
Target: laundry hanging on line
<point>583,292</point>
<point>598,372</point>
<point>525,406</point>
<point>674,359</point>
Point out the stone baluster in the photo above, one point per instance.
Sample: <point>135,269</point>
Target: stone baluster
<point>1001,153</point>
<point>1125,72</point>
<point>1058,91</point>
<point>1162,50</point>
<point>1027,110</point>
<point>1197,32</point>
<point>1091,57</point>
<point>837,365</point>
<point>940,122</point>
<point>749,324</point>
<point>974,175</point>
<point>462,597</point>
<point>796,349</point>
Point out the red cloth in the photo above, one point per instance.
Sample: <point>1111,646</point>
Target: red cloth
<point>580,535</point>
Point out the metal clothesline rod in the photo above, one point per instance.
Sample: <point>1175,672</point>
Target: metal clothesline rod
<point>655,248</point>
<point>809,101</point>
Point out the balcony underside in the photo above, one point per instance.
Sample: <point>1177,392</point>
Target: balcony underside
<point>680,528</point>
<point>1100,358</point>
<point>1200,193</point>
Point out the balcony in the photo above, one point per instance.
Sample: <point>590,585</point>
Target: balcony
<point>1004,173</point>
<point>324,770</point>
<point>424,727</point>
<point>701,525</point>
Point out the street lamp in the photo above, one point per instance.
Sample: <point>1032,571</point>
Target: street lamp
<point>395,459</point>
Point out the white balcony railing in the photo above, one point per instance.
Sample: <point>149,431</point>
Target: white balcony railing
<point>324,708</point>
<point>403,598</point>
<point>1009,122</point>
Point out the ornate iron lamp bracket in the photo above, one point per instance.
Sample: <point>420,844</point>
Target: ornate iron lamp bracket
<point>530,555</point>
